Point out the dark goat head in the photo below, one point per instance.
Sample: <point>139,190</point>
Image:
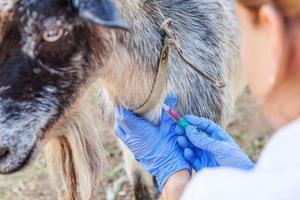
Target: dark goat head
<point>45,56</point>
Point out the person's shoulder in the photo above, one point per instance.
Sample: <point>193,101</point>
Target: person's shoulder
<point>288,132</point>
<point>285,144</point>
<point>230,183</point>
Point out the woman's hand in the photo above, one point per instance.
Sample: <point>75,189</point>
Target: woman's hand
<point>206,144</point>
<point>155,147</point>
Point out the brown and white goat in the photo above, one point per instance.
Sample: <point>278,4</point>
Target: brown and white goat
<point>52,50</point>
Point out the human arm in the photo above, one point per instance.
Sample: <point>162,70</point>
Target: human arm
<point>175,185</point>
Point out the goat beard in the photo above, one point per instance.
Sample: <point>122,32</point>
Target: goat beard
<point>74,152</point>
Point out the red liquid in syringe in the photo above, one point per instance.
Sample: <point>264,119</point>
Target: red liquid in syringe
<point>172,113</point>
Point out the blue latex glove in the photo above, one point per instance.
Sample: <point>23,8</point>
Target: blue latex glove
<point>155,147</point>
<point>208,145</point>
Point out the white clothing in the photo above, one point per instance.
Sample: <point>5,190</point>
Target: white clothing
<point>275,177</point>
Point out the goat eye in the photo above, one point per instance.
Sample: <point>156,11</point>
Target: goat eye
<point>53,35</point>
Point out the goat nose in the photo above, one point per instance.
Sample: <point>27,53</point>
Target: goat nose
<point>3,152</point>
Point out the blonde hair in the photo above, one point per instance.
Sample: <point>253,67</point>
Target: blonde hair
<point>290,8</point>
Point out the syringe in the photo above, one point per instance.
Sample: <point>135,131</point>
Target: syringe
<point>180,120</point>
<point>176,117</point>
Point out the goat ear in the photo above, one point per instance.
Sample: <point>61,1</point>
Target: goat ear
<point>99,12</point>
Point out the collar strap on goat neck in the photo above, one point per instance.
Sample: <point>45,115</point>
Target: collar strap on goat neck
<point>160,83</point>
<point>160,79</point>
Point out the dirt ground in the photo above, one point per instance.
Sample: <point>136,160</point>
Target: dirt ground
<point>248,128</point>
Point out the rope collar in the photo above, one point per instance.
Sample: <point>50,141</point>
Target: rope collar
<point>169,41</point>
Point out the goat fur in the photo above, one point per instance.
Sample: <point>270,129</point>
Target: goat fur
<point>209,34</point>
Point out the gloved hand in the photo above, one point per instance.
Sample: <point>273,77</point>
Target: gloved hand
<point>155,147</point>
<point>208,145</point>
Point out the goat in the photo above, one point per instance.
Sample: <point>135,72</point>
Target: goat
<point>52,50</point>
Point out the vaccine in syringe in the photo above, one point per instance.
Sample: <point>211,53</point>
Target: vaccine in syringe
<point>176,117</point>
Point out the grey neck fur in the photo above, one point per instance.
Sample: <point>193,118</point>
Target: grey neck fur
<point>130,73</point>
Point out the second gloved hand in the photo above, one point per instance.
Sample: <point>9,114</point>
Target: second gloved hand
<point>155,147</point>
<point>208,145</point>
